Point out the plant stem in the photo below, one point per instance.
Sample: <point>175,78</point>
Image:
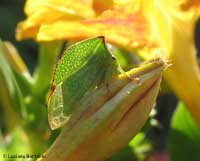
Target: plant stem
<point>48,53</point>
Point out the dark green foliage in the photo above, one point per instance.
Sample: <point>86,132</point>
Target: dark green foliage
<point>184,142</point>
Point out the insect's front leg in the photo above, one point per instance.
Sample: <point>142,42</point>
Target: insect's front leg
<point>135,79</point>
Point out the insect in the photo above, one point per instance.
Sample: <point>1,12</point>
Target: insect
<point>83,67</point>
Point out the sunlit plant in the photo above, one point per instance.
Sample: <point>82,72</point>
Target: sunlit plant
<point>99,72</point>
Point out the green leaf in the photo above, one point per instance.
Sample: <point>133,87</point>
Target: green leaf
<point>184,143</point>
<point>24,82</point>
<point>19,69</point>
<point>11,96</point>
<point>82,68</point>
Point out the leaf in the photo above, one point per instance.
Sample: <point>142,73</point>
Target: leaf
<point>184,141</point>
<point>18,67</point>
<point>11,96</point>
<point>83,67</point>
<point>12,56</point>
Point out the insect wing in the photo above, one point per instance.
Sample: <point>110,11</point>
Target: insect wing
<point>56,117</point>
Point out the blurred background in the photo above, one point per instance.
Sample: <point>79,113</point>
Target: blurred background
<point>11,12</point>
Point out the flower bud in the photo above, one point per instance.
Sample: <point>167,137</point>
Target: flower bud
<point>109,117</point>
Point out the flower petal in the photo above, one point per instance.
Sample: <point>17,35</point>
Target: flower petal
<point>124,25</point>
<point>48,11</point>
<point>175,22</point>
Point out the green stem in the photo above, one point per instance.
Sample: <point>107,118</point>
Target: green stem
<point>48,53</point>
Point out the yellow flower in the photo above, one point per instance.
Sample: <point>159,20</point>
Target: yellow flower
<point>123,23</point>
<point>42,12</point>
<point>136,25</point>
<point>175,24</point>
